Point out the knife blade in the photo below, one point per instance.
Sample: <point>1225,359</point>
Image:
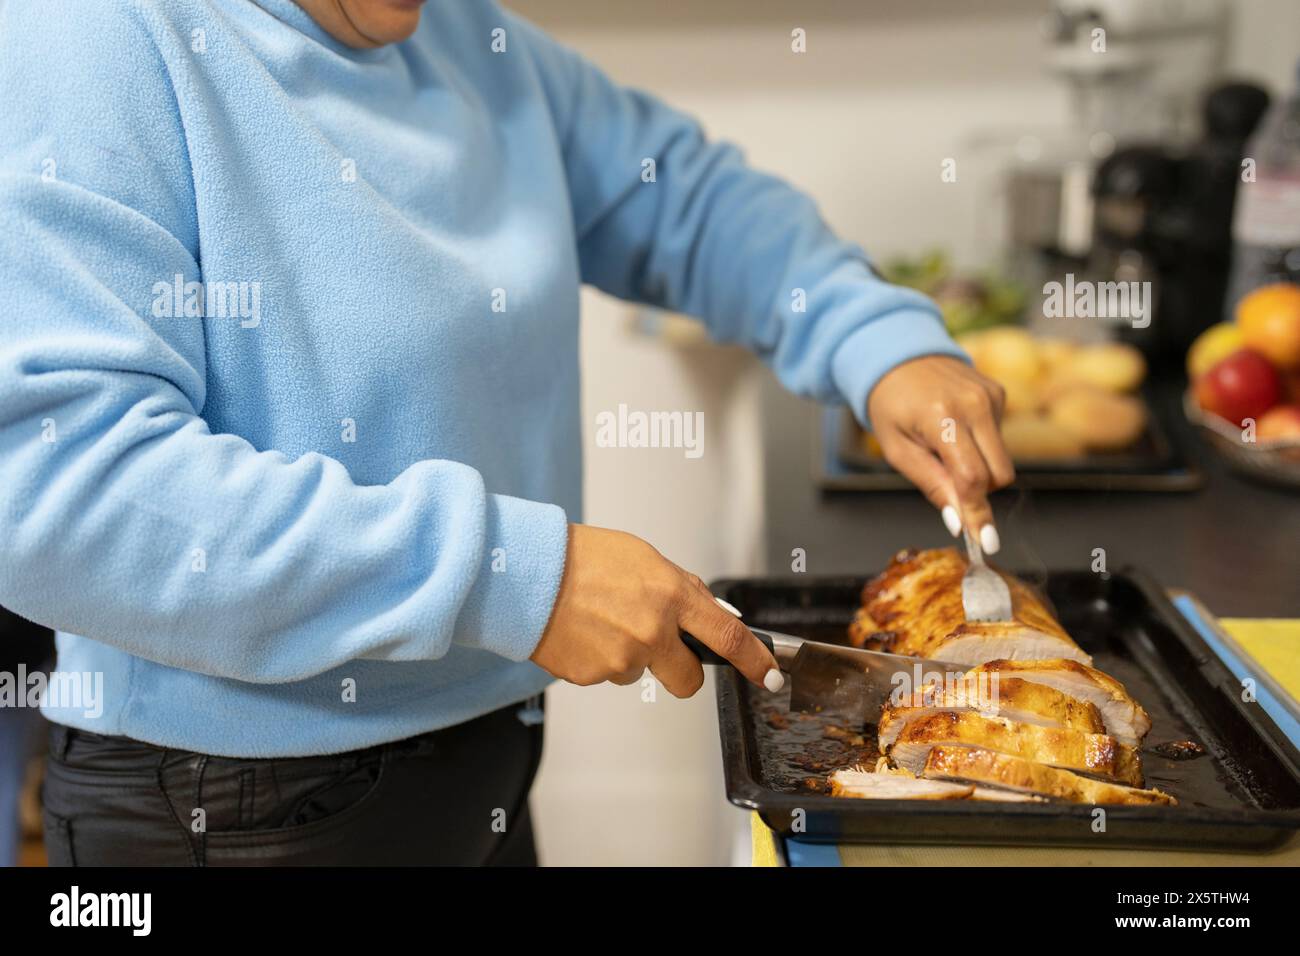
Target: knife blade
<point>846,680</point>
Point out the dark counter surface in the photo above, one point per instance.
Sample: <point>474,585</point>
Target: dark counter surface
<point>1235,544</point>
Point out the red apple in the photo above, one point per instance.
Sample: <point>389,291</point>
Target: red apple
<point>1280,422</point>
<point>1291,388</point>
<point>1243,385</point>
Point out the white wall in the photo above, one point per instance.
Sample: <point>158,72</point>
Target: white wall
<point>862,121</point>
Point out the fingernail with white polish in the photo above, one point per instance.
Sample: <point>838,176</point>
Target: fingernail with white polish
<point>773,680</point>
<point>728,607</point>
<point>989,539</point>
<point>951,520</point>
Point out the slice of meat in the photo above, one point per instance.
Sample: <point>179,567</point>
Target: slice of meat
<point>856,782</point>
<point>1012,698</point>
<point>1096,754</point>
<point>916,605</point>
<point>1124,717</point>
<point>998,795</point>
<point>985,767</point>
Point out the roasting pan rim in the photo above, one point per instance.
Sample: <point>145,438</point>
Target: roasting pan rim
<point>1190,826</point>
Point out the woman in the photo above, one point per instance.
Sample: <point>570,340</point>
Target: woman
<point>289,404</point>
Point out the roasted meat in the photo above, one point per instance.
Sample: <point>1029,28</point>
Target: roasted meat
<point>1030,720</point>
<point>888,784</point>
<point>1015,699</point>
<point>915,608</point>
<point>1096,754</point>
<point>998,795</point>
<point>856,782</point>
<point>1124,717</point>
<point>985,767</point>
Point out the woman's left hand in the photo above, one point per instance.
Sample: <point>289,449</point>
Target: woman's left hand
<point>937,421</point>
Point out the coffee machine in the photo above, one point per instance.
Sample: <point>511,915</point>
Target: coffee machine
<point>1163,214</point>
<point>1137,184</point>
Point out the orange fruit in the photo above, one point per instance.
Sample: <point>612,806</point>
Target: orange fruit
<point>1269,319</point>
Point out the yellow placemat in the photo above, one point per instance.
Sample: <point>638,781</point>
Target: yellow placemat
<point>1275,646</point>
<point>764,842</point>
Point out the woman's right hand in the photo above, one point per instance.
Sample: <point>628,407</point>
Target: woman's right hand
<point>621,608</point>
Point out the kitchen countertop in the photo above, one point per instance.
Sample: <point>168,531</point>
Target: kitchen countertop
<point>1235,544</point>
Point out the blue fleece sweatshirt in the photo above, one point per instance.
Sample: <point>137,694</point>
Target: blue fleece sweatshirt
<point>289,421</point>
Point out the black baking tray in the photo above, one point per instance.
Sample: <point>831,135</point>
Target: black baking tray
<point>1243,794</point>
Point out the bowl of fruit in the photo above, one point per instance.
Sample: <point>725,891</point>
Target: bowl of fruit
<point>1245,385</point>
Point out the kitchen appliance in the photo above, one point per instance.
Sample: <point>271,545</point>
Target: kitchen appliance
<point>1145,138</point>
<point>1241,793</point>
<point>1163,215</point>
<point>1134,71</point>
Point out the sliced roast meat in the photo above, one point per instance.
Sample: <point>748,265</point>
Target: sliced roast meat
<point>894,786</point>
<point>1012,698</point>
<point>998,795</point>
<point>1096,754</point>
<point>988,768</point>
<point>1124,717</point>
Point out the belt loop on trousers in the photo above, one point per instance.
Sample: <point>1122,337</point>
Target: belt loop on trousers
<point>531,713</point>
<point>60,741</point>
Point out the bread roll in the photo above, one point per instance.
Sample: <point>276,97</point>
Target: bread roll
<point>1034,437</point>
<point>1103,421</point>
<point>1008,354</point>
<point>1112,366</point>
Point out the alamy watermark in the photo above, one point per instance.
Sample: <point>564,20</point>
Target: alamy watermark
<point>133,911</point>
<point>1084,299</point>
<point>179,299</point>
<point>62,690</point>
<point>935,688</point>
<point>626,428</point>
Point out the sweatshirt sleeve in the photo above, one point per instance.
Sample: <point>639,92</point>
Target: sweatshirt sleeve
<point>664,216</point>
<point>123,517</point>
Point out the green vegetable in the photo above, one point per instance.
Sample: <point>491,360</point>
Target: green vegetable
<point>967,303</point>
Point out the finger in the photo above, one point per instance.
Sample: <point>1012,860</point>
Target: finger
<point>697,582</point>
<point>920,466</point>
<point>969,474</point>
<point>988,439</point>
<point>724,633</point>
<point>997,397</point>
<point>678,669</point>
<point>627,677</point>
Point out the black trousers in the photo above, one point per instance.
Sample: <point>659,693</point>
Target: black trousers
<point>457,796</point>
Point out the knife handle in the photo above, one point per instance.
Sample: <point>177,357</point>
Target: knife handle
<point>708,655</point>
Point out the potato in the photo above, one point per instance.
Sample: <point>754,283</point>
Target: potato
<point>1112,366</point>
<point>1023,397</point>
<point>1008,354</point>
<point>1100,419</point>
<point>1034,437</point>
<point>1056,353</point>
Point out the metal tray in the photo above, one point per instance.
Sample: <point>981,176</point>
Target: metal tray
<point>1243,794</point>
